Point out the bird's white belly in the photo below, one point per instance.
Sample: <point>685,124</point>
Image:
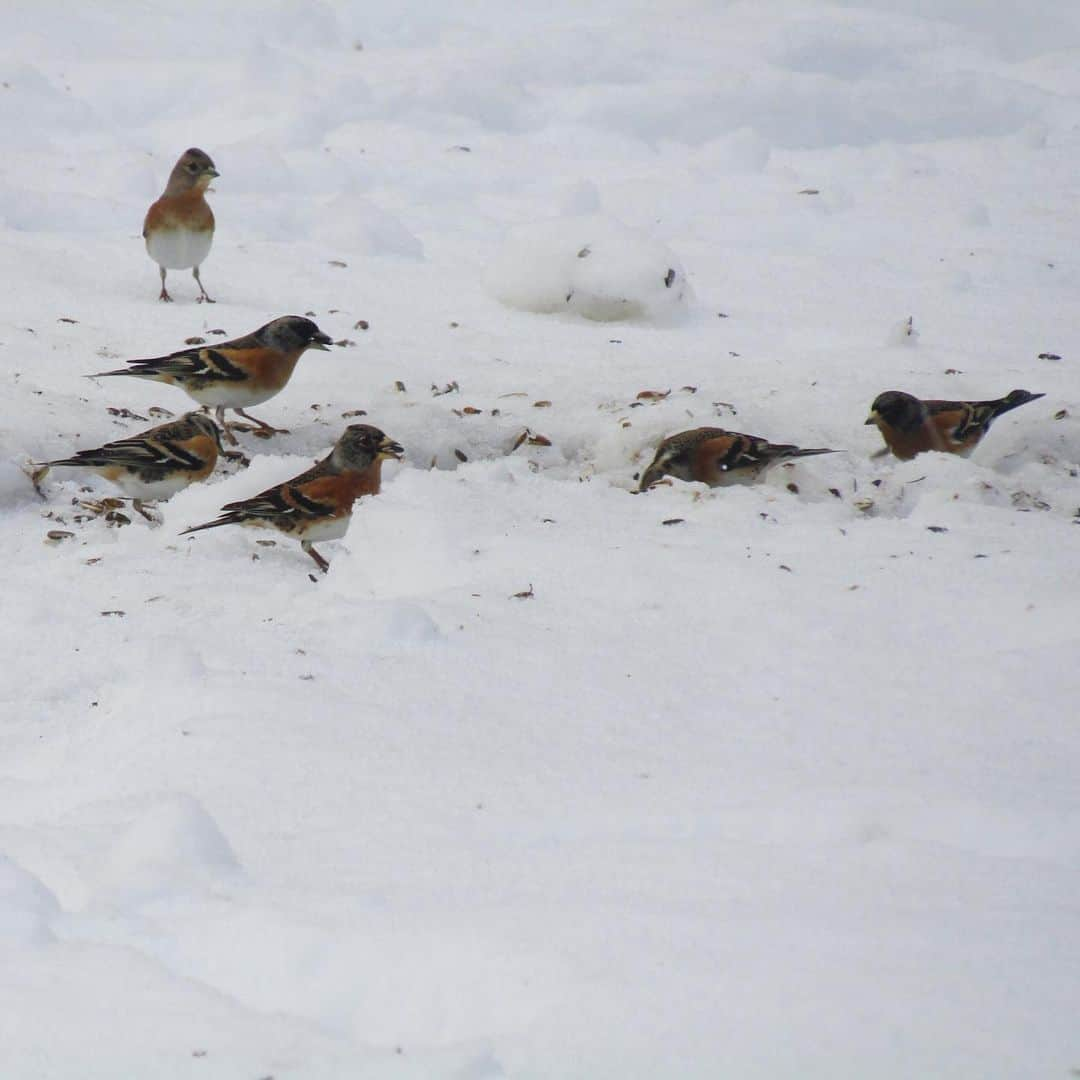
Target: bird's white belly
<point>179,249</point>
<point>331,529</point>
<point>158,489</point>
<point>230,395</point>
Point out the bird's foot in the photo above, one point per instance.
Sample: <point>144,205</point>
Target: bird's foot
<point>320,562</point>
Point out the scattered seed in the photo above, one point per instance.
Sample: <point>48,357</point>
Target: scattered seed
<point>1061,414</point>
<point>219,333</point>
<point>194,341</point>
<point>539,440</point>
<point>338,262</point>
<point>689,389</point>
<point>584,253</point>
<point>449,388</point>
<point>787,568</point>
<point>125,414</point>
<point>673,521</point>
<point>936,529</point>
<point>56,535</point>
<point>345,343</point>
<point>519,440</point>
<point>835,492</point>
<point>810,191</point>
<point>461,455</point>
<point>1049,356</point>
<point>526,595</point>
<point>469,410</point>
<point>652,395</point>
<point>361,324</point>
<point>541,404</point>
<point>157,410</point>
<point>399,386</point>
<point>114,611</point>
<point>350,413</point>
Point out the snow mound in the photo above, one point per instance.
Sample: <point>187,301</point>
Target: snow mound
<point>175,846</point>
<point>26,906</point>
<point>593,265</point>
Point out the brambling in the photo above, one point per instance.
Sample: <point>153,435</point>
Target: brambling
<point>179,227</point>
<point>317,504</point>
<point>246,371</point>
<point>154,464</point>
<point>716,457</point>
<point>910,426</point>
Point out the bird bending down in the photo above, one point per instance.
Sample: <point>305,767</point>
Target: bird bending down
<point>235,374</point>
<point>179,226</point>
<point>317,505</point>
<point>154,464</point>
<point>717,457</point>
<point>911,427</point>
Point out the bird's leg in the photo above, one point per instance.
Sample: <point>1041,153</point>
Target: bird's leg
<point>198,281</point>
<point>140,507</point>
<point>226,431</point>
<point>264,429</point>
<point>320,562</point>
<point>164,294</point>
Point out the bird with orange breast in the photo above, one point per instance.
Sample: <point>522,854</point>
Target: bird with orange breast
<point>911,427</point>
<point>235,374</point>
<point>154,464</point>
<point>717,457</point>
<point>318,504</point>
<point>179,227</point>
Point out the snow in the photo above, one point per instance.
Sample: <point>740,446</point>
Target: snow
<point>546,778</point>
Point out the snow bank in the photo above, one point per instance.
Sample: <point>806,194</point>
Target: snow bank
<point>592,265</point>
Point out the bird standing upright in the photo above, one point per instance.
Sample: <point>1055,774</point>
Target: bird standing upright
<point>245,371</point>
<point>179,227</point>
<point>317,504</point>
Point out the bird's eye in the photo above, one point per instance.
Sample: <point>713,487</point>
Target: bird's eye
<point>192,167</point>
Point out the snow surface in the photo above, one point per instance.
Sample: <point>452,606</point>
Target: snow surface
<point>787,788</point>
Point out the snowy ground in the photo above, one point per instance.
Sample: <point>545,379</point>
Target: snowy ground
<point>785,788</point>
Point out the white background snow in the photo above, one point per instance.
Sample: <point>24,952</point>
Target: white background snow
<point>786,789</point>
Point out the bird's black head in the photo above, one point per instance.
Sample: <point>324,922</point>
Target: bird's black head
<point>361,445</point>
<point>293,332</point>
<point>898,410</point>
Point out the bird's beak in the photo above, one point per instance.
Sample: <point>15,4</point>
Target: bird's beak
<point>211,172</point>
<point>390,449</point>
<point>871,419</point>
<point>648,478</point>
<point>320,342</point>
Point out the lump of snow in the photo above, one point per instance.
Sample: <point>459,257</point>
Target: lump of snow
<point>25,906</point>
<point>903,333</point>
<point>594,265</point>
<point>174,846</point>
